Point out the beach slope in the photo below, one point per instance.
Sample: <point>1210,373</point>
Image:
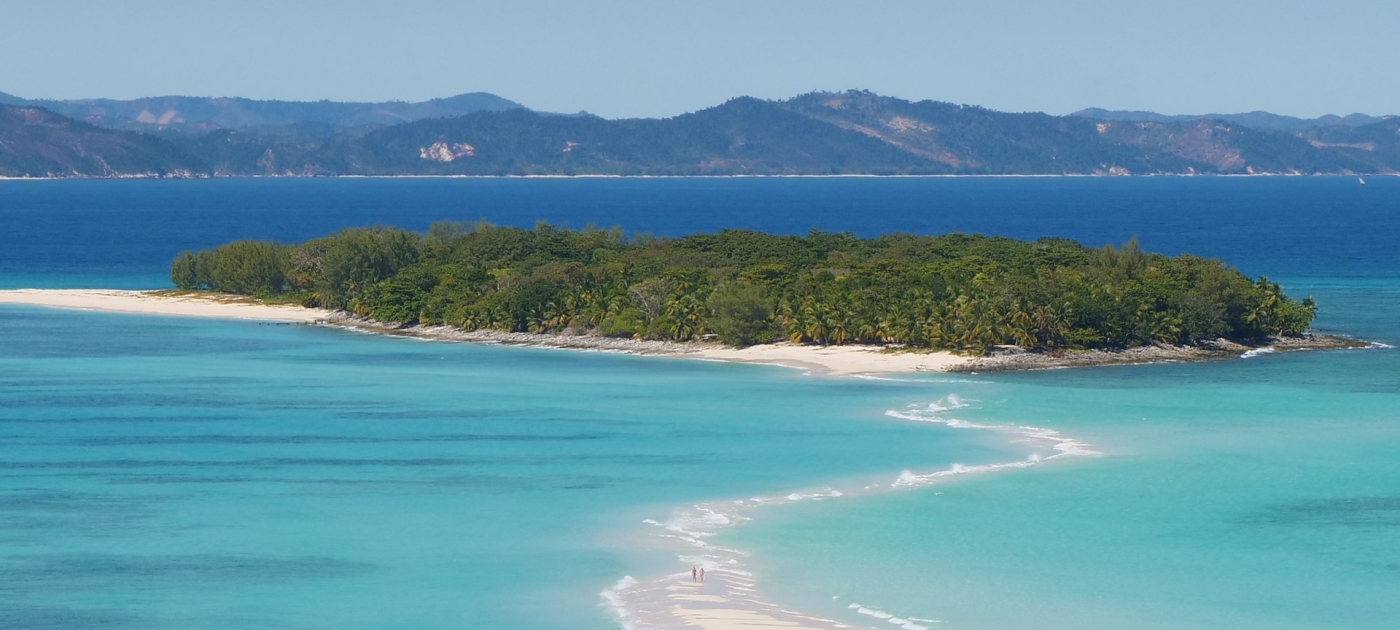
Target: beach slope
<point>844,360</point>
<point>162,303</point>
<point>832,360</point>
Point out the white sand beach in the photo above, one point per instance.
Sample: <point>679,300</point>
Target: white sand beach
<point>831,360</point>
<point>846,360</point>
<point>836,360</point>
<point>158,303</point>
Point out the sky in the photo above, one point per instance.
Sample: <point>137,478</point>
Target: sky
<point>658,58</point>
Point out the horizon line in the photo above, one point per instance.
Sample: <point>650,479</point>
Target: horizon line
<point>732,98</point>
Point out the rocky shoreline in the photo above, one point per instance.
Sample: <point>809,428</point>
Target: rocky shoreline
<point>1210,350</point>
<point>542,340</point>
<point>1001,360</point>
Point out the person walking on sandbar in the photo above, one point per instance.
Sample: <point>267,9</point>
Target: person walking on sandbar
<point>692,574</point>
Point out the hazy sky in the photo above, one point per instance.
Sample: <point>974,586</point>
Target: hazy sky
<point>660,58</point>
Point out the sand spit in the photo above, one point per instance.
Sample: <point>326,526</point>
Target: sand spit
<point>833,360</point>
<point>729,596</point>
<point>830,360</point>
<point>163,303</point>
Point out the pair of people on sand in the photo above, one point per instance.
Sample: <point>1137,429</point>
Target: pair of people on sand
<point>697,574</point>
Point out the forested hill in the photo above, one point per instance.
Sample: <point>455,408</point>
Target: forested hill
<point>962,292</point>
<point>37,142</point>
<point>814,134</point>
<point>194,114</point>
<point>1256,120</point>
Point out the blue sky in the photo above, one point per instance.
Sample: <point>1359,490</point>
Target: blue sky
<point>660,57</point>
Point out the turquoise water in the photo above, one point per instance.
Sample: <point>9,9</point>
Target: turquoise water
<point>174,473</point>
<point>1260,493</point>
<point>177,473</point>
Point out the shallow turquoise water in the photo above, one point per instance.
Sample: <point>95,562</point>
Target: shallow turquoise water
<point>177,473</point>
<point>171,473</point>
<point>1261,493</point>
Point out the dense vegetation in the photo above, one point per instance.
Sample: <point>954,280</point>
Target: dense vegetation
<point>957,291</point>
<point>37,142</point>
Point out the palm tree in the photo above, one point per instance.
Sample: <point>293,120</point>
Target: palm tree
<point>537,321</point>
<point>470,319</point>
<point>814,320</point>
<point>891,327</point>
<point>685,313</point>
<point>790,315</point>
<point>937,325</point>
<point>1263,315</point>
<point>1018,324</point>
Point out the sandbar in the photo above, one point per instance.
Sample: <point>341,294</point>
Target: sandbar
<point>162,303</point>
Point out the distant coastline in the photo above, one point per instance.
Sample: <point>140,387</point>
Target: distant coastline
<point>153,176</point>
<point>852,133</point>
<point>832,360</point>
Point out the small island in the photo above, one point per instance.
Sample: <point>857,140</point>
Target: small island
<point>999,302</point>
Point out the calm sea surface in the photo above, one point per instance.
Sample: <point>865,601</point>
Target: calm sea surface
<point>177,473</point>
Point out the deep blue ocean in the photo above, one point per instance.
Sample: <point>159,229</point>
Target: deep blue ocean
<point>161,472</point>
<point>75,233</point>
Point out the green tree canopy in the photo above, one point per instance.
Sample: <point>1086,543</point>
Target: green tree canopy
<point>964,292</point>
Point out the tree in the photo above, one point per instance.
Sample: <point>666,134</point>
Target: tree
<point>960,292</point>
<point>741,314</point>
<point>183,273</point>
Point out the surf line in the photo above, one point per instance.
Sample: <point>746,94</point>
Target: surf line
<point>728,598</point>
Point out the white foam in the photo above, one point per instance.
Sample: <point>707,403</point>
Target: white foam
<point>906,623</point>
<point>818,495</point>
<point>872,377</point>
<point>690,529</point>
<point>1257,351</point>
<point>614,598</point>
<point>1025,433</point>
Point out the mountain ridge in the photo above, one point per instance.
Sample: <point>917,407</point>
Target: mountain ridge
<point>201,113</point>
<point>821,133</point>
<point>1258,119</point>
<point>469,102</point>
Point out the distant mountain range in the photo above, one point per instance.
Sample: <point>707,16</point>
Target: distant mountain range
<point>1257,120</point>
<point>823,133</point>
<point>188,113</point>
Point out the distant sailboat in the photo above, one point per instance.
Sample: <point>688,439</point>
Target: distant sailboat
<point>1362,181</point>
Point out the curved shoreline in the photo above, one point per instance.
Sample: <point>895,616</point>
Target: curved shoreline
<point>729,599</point>
<point>845,360</point>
